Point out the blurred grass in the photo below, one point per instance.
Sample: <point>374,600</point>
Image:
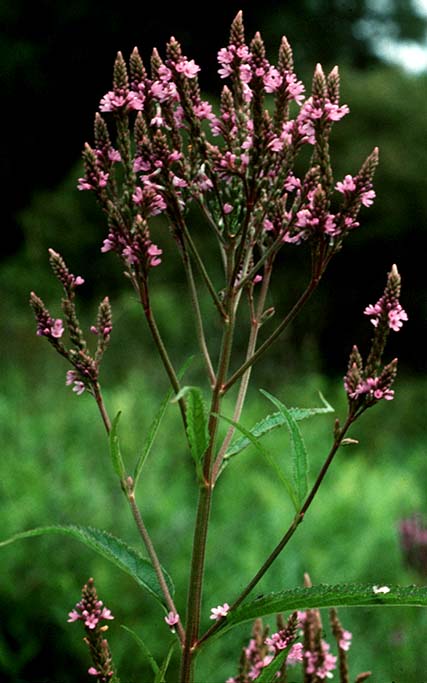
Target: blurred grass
<point>55,469</point>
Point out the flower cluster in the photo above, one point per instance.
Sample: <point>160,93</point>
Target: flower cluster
<point>368,383</point>
<point>84,374</point>
<point>91,611</point>
<point>262,649</point>
<point>164,145</point>
<point>313,653</point>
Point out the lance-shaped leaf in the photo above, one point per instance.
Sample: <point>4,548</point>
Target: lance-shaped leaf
<point>197,423</point>
<point>269,673</point>
<point>160,676</point>
<point>151,435</point>
<point>316,597</point>
<point>299,452</point>
<point>115,452</point>
<point>268,458</point>
<point>113,549</point>
<point>144,649</point>
<point>275,421</point>
<point>155,425</point>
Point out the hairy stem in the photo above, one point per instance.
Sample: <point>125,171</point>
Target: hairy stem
<point>277,332</point>
<point>198,317</point>
<point>291,530</point>
<point>167,363</point>
<point>139,521</point>
<point>195,589</point>
<point>154,561</point>
<point>255,326</point>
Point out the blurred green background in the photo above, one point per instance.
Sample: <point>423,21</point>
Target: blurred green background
<point>56,64</point>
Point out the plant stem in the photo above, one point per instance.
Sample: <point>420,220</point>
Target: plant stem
<point>102,409</point>
<point>139,521</point>
<point>289,533</point>
<point>277,332</point>
<point>203,271</point>
<point>198,317</point>
<point>255,327</point>
<point>195,588</point>
<point>154,560</point>
<point>141,288</point>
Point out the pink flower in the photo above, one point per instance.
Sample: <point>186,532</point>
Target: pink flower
<point>91,621</point>
<point>93,672</point>
<point>335,112</point>
<point>347,185</point>
<point>172,619</point>
<point>295,654</point>
<point>219,612</point>
<point>345,641</point>
<point>57,329</point>
<point>79,386</point>
<point>107,245</point>
<point>227,208</point>
<point>292,183</point>
<point>272,80</point>
<point>115,101</point>
<point>73,616</point>
<point>188,67</point>
<point>367,197</point>
<point>396,317</point>
<point>295,89</point>
<point>154,252</point>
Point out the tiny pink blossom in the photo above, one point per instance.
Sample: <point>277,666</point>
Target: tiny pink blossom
<point>220,611</point>
<point>188,67</point>
<point>73,616</point>
<point>272,80</point>
<point>154,252</point>
<point>93,672</point>
<point>335,112</point>
<point>91,621</point>
<point>83,184</point>
<point>106,613</point>
<point>107,245</point>
<point>347,185</point>
<point>295,654</point>
<point>172,619</point>
<point>57,329</point>
<point>227,208</point>
<point>367,197</point>
<point>345,641</point>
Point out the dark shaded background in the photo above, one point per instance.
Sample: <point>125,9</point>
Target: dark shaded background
<point>57,60</point>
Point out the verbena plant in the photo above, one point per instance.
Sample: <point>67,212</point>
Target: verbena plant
<point>234,166</point>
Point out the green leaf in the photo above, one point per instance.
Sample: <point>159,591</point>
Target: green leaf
<point>268,674</point>
<point>155,425</point>
<point>152,433</point>
<point>160,676</point>
<point>273,422</point>
<point>269,459</point>
<point>115,452</point>
<point>299,452</point>
<point>146,652</point>
<point>197,423</point>
<point>344,595</point>
<point>110,547</point>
